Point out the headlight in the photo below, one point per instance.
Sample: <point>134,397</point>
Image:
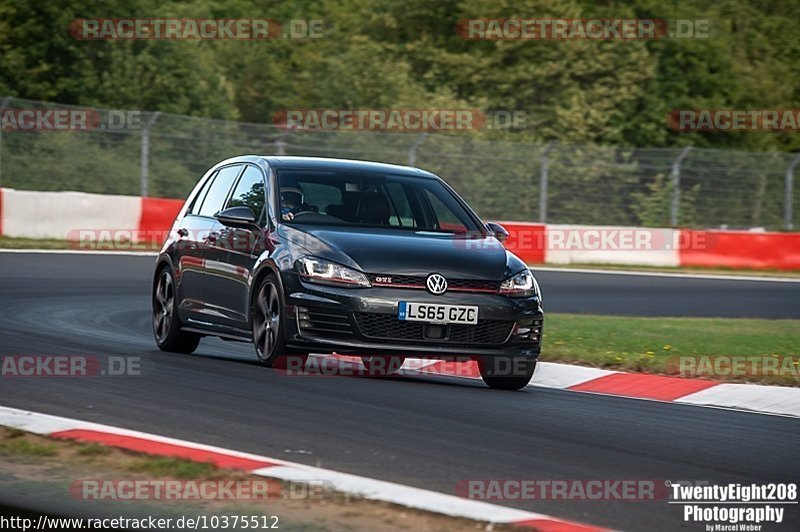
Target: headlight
<point>325,272</point>
<point>522,284</point>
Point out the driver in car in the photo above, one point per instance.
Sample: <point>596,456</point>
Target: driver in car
<point>292,202</point>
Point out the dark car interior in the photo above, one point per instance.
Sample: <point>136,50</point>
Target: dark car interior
<point>378,201</point>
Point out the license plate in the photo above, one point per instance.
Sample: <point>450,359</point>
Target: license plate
<point>434,313</point>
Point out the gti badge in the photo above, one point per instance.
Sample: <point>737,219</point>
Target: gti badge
<point>437,284</point>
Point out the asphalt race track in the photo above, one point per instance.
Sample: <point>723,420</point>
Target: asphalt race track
<point>624,294</point>
<point>428,431</point>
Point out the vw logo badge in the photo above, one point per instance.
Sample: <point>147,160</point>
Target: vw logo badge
<point>437,284</point>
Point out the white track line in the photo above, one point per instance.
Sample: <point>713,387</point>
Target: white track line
<point>82,252</point>
<point>777,400</point>
<point>368,488</point>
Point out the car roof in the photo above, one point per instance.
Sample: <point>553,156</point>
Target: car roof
<point>326,163</point>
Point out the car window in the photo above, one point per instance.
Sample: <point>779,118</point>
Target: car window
<point>197,202</point>
<point>371,199</point>
<point>249,191</point>
<point>401,213</point>
<point>321,196</point>
<point>446,219</point>
<point>218,191</point>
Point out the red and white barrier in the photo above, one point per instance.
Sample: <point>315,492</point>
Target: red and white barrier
<point>62,215</point>
<point>587,244</point>
<point>157,214</point>
<point>742,250</point>
<point>32,214</point>
<point>574,244</point>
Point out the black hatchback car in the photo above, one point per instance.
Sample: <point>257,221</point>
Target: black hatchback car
<point>307,255</point>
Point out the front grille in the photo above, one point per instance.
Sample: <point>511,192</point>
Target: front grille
<point>472,284</point>
<point>323,322</point>
<point>388,327</point>
<point>416,281</point>
<point>486,332</point>
<point>405,280</point>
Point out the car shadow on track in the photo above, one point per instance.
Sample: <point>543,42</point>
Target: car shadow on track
<point>414,371</point>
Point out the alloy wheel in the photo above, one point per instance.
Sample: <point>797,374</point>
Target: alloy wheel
<point>163,304</point>
<point>266,321</point>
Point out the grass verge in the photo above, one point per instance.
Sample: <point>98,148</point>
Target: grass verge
<point>36,469</point>
<point>7,242</point>
<point>657,345</point>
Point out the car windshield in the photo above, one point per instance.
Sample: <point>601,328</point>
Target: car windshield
<point>371,200</point>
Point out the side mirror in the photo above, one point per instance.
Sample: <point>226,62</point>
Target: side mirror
<point>240,216</point>
<point>497,230</point>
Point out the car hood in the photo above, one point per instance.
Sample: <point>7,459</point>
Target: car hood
<point>408,252</point>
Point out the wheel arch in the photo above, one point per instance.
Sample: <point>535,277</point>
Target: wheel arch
<point>163,261</point>
<point>266,268</point>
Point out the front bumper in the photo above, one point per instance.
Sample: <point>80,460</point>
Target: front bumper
<point>363,321</point>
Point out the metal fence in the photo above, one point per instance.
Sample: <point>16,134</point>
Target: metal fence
<point>164,155</point>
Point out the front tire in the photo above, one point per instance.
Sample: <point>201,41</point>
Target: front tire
<point>506,373</point>
<point>268,328</point>
<point>166,323</point>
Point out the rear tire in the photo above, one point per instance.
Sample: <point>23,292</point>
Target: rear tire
<point>268,328</point>
<point>506,373</point>
<point>166,323</point>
